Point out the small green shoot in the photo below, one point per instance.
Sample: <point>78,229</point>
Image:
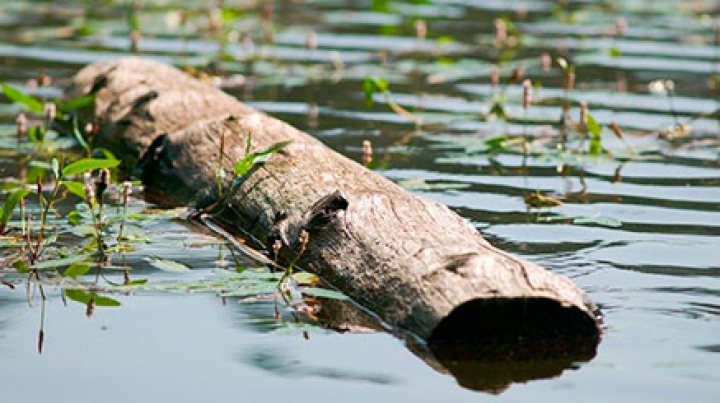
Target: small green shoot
<point>595,147</point>
<point>373,85</point>
<point>246,163</point>
<point>11,201</point>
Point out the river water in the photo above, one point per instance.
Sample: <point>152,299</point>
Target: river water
<point>638,228</point>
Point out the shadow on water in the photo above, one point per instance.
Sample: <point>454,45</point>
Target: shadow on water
<point>487,359</point>
<point>279,364</point>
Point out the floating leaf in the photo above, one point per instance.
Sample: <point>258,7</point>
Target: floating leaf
<point>30,102</point>
<point>101,300</point>
<point>539,200</point>
<point>603,221</point>
<point>168,265</point>
<point>88,164</point>
<point>324,293</point>
<point>85,297</point>
<point>77,269</point>
<point>249,289</point>
<point>137,282</point>
<point>419,184</point>
<point>54,263</point>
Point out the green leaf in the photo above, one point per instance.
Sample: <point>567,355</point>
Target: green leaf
<point>77,269</point>
<point>74,217</point>
<point>21,266</point>
<point>36,134</point>
<point>381,84</point>
<point>324,293</point>
<point>372,85</point>
<point>562,63</point>
<point>88,164</point>
<point>595,145</point>
<point>168,265</point>
<point>79,136</point>
<point>305,278</point>
<point>101,300</point>
<point>30,102</point>
<point>54,263</point>
<point>134,22</point>
<point>593,126</point>
<point>614,52</point>
<point>245,164</point>
<point>498,110</point>
<point>369,91</point>
<point>11,184</point>
<point>85,297</point>
<point>76,103</point>
<point>138,281</point>
<point>75,187</point>
<point>80,296</point>
<point>496,143</point>
<point>11,202</point>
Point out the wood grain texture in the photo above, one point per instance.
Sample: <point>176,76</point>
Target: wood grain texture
<point>412,261</point>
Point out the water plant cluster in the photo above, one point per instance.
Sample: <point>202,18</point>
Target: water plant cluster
<point>67,187</point>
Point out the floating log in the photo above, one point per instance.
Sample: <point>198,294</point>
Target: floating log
<point>411,261</point>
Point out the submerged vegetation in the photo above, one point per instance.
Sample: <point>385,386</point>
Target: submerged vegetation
<point>55,174</point>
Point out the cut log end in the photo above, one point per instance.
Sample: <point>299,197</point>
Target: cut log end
<point>513,320</point>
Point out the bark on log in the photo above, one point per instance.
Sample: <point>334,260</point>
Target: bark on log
<point>412,261</point>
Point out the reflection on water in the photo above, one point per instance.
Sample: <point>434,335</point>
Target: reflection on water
<point>639,232</point>
<point>273,361</point>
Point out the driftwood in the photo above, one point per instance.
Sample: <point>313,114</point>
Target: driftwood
<point>411,261</point>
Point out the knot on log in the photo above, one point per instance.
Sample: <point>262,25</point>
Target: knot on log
<point>324,211</point>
